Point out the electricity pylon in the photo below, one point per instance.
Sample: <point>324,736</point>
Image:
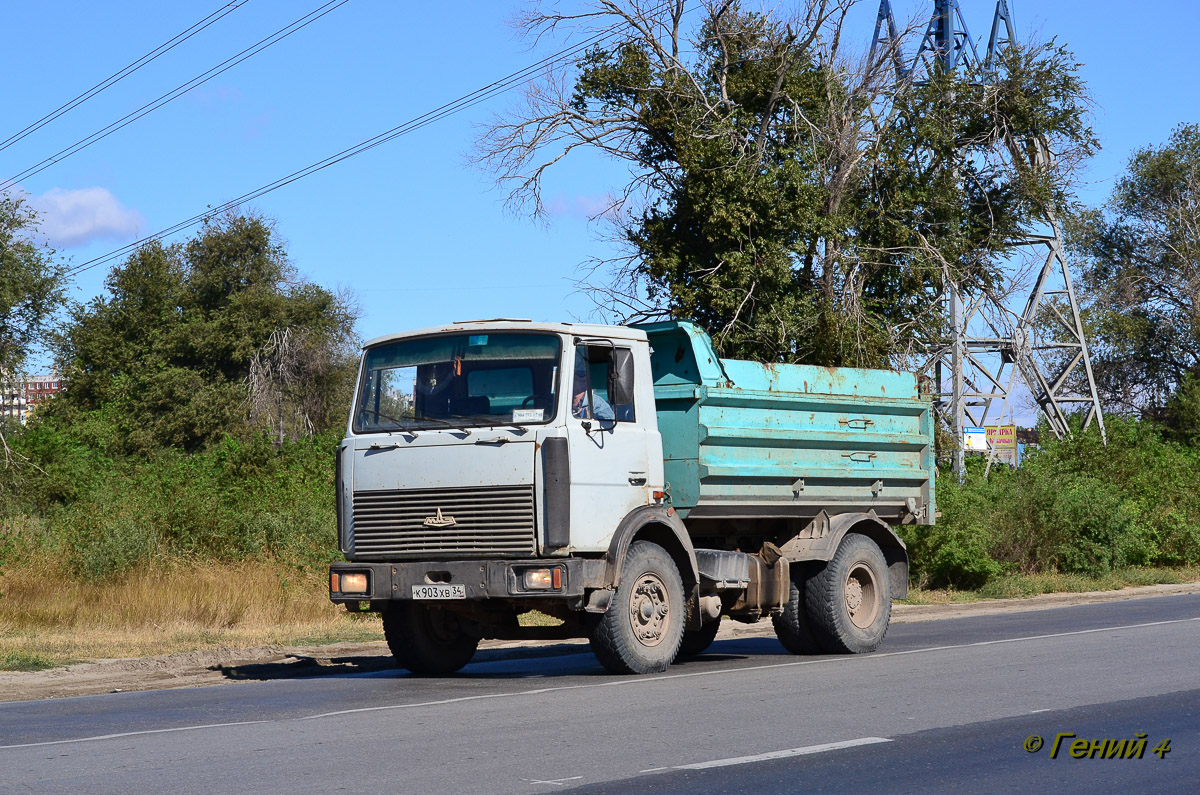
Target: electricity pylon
<point>989,344</point>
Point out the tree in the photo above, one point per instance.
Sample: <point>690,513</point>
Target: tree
<point>31,284</point>
<point>31,291</point>
<point>1140,258</point>
<point>167,355</point>
<point>803,203</point>
<point>296,382</point>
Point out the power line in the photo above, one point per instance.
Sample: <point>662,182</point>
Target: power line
<point>198,80</point>
<point>121,74</point>
<point>499,86</point>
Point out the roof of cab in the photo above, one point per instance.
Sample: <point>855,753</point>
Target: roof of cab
<point>507,324</point>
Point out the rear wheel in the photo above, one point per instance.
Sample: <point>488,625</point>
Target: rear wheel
<point>642,629</point>
<point>427,640</point>
<point>791,627</point>
<point>696,641</point>
<point>849,601</point>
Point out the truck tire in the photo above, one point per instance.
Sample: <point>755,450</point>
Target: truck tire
<point>791,627</point>
<point>427,640</point>
<point>849,601</point>
<point>696,641</point>
<point>642,629</point>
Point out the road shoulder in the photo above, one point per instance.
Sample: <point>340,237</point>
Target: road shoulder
<point>224,665</point>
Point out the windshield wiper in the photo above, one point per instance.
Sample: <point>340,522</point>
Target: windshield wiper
<point>495,421</point>
<point>400,426</point>
<point>446,424</point>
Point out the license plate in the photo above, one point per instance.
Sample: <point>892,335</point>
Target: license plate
<point>440,591</point>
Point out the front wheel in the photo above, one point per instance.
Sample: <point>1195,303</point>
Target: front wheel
<point>642,629</point>
<point>428,641</point>
<point>849,601</point>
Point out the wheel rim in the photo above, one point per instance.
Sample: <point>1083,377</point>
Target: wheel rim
<point>862,596</point>
<point>649,609</point>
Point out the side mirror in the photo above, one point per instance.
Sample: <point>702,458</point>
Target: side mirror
<point>620,377</point>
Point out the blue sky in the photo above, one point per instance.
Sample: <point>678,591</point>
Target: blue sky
<point>420,236</point>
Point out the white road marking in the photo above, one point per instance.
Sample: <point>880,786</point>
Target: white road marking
<point>623,682</point>
<point>808,749</point>
<point>134,734</point>
<point>653,769</point>
<point>1036,711</point>
<point>558,782</point>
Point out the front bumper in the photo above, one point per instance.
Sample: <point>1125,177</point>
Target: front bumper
<point>491,579</point>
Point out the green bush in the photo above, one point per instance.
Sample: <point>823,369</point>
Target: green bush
<point>111,546</point>
<point>238,499</point>
<point>1075,506</point>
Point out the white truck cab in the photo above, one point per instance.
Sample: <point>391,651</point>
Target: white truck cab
<point>495,467</point>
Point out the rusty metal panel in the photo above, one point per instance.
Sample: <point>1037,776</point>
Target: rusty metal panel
<point>746,439</point>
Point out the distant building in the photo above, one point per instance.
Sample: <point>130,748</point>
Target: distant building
<point>21,395</point>
<point>1027,435</point>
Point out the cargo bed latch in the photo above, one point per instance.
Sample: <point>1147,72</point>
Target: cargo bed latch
<point>797,487</point>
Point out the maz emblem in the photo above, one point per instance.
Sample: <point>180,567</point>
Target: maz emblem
<point>439,520</point>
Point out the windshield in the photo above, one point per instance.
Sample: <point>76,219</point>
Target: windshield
<point>458,381</point>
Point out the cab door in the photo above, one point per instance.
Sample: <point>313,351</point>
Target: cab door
<point>609,446</point>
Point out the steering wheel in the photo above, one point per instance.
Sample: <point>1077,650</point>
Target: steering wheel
<point>435,380</point>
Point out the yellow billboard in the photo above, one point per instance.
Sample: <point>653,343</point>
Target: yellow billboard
<point>1003,439</point>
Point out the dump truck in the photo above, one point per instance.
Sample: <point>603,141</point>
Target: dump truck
<point>629,485</point>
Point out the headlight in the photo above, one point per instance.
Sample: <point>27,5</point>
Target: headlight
<point>351,583</point>
<point>538,580</point>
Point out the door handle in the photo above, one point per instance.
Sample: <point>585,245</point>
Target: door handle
<point>637,481</point>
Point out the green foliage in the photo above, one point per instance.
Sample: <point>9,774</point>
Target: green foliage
<point>18,660</point>
<point>1181,415</point>
<point>1140,259</point>
<point>234,500</point>
<point>955,551</point>
<point>31,283</point>
<point>1074,506</point>
<point>800,203</point>
<point>165,359</point>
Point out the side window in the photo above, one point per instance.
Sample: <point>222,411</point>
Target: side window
<point>608,372</point>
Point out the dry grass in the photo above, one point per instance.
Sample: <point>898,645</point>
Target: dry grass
<point>47,619</point>
<point>1017,586</point>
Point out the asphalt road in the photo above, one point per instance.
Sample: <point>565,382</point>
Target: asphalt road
<point>944,705</point>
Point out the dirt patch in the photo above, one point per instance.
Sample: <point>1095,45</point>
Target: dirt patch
<point>226,665</point>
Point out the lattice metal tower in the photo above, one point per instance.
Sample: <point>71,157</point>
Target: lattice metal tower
<point>974,370</point>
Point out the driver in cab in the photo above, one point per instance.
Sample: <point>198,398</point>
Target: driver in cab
<point>579,403</point>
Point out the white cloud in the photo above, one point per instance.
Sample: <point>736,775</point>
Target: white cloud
<point>581,206</point>
<point>70,218</point>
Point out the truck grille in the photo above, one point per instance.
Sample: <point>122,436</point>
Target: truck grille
<point>493,520</point>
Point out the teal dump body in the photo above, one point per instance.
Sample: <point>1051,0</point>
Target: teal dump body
<point>746,440</point>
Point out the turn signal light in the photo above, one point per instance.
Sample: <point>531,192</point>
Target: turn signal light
<point>354,583</point>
